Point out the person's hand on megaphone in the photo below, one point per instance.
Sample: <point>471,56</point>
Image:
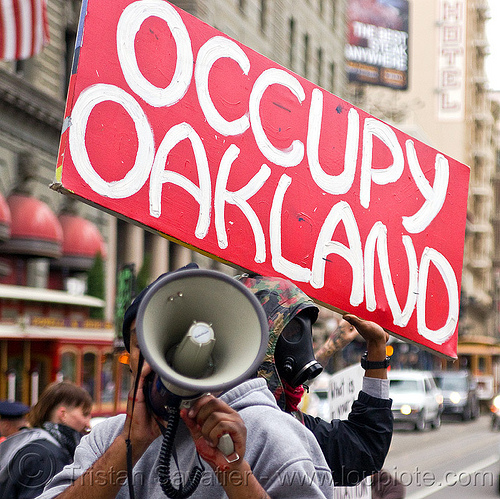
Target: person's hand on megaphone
<point>140,426</point>
<point>208,419</point>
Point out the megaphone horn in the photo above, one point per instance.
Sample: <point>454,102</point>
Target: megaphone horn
<point>201,331</point>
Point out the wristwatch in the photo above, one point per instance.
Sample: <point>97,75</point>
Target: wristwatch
<point>370,364</point>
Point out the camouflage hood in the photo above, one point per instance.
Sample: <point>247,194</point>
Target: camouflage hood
<point>281,301</point>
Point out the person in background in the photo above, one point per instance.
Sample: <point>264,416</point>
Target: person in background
<point>31,457</point>
<point>343,334</point>
<point>12,418</point>
<point>354,448</point>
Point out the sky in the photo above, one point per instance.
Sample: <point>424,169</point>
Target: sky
<point>493,34</point>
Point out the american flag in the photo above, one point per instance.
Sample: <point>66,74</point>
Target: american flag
<point>24,29</point>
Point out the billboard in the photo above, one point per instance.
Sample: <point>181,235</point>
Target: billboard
<point>178,128</point>
<point>377,44</point>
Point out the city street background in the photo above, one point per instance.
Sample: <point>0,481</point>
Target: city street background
<point>459,460</point>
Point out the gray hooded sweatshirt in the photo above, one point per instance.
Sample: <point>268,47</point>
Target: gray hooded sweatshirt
<point>283,454</point>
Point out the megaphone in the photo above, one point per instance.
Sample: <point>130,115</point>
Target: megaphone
<point>201,331</point>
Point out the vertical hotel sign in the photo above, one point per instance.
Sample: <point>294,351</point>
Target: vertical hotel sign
<point>451,60</point>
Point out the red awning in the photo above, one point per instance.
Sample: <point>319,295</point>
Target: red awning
<point>35,229</point>
<point>82,241</point>
<point>5,219</point>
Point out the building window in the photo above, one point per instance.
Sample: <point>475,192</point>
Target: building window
<point>20,67</point>
<point>320,66</point>
<point>125,379</point>
<point>89,373</point>
<point>38,272</point>
<point>9,311</point>
<point>332,77</point>
<point>107,381</point>
<point>306,56</point>
<point>242,4</point>
<point>15,377</point>
<point>291,47</point>
<point>68,366</point>
<point>482,365</point>
<point>70,39</point>
<point>334,12</point>
<point>263,15</point>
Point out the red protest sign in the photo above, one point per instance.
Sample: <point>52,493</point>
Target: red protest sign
<point>178,127</point>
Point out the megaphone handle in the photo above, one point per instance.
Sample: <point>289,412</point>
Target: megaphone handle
<point>226,446</point>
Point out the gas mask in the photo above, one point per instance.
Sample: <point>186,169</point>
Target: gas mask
<point>294,355</point>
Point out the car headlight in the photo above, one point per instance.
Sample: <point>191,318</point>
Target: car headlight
<point>405,409</point>
<point>496,401</point>
<point>455,397</point>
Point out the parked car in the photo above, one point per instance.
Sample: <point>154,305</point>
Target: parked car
<point>459,393</point>
<point>416,398</point>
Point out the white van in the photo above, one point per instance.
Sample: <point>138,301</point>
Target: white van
<point>415,398</point>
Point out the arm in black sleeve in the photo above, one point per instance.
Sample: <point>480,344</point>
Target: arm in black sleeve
<point>357,447</point>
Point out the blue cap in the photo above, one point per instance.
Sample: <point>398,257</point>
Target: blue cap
<point>12,410</point>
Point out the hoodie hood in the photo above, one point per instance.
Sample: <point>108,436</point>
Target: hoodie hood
<point>281,301</point>
<point>250,393</point>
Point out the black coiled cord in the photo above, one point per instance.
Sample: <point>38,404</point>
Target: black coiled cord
<point>164,469</point>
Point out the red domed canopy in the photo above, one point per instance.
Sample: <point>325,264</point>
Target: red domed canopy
<point>5,219</point>
<point>82,242</point>
<point>35,229</point>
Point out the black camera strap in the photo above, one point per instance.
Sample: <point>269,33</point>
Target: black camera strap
<point>130,464</point>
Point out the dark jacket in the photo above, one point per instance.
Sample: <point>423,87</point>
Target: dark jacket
<point>356,447</point>
<point>32,468</point>
<point>31,458</point>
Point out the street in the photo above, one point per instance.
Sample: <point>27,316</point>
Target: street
<point>459,460</point>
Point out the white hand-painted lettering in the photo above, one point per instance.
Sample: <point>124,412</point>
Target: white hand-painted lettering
<point>377,238</point>
<point>135,178</point>
<point>442,334</point>
<point>337,234</point>
<point>160,176</point>
<point>294,155</point>
<point>280,263</point>
<point>380,176</point>
<point>353,254</point>
<point>333,184</point>
<point>434,196</point>
<point>216,48</point>
<point>128,26</point>
<point>239,198</point>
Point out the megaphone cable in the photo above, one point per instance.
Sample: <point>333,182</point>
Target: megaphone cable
<point>166,450</point>
<point>128,441</point>
<point>164,469</point>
